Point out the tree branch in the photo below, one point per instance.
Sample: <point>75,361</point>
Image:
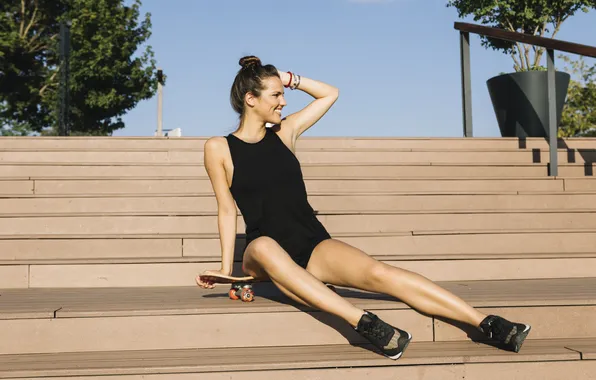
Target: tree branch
<point>34,38</point>
<point>557,23</point>
<point>521,55</point>
<point>539,51</point>
<point>534,33</point>
<point>45,87</point>
<point>32,18</point>
<point>526,56</point>
<point>42,90</point>
<point>516,64</point>
<point>528,59</point>
<point>39,47</point>
<point>557,27</point>
<point>22,18</point>
<point>520,64</point>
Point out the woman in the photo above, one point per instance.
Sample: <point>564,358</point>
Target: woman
<point>256,168</point>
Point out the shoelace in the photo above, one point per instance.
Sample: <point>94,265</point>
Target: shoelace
<point>495,330</point>
<point>377,330</point>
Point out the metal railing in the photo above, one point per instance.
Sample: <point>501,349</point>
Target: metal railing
<point>549,43</point>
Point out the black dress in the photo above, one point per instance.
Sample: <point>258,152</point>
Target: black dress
<point>269,190</point>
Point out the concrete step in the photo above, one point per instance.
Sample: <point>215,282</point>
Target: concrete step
<point>350,223</point>
<point>538,359</point>
<point>323,204</point>
<point>182,272</point>
<point>112,319</point>
<point>117,170</point>
<point>306,156</point>
<point>16,187</point>
<point>206,248</point>
<point>447,143</point>
<point>337,185</point>
<point>580,184</point>
<point>174,260</point>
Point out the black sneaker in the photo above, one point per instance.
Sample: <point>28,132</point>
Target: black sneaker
<point>511,335</point>
<point>390,340</point>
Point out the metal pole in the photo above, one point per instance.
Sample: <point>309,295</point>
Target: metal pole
<point>552,114</point>
<point>63,108</point>
<point>466,83</point>
<point>159,102</point>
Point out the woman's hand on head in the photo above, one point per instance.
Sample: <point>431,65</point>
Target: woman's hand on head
<point>284,76</point>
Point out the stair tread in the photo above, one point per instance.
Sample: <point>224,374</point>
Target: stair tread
<point>302,149</point>
<point>306,164</point>
<point>205,235</point>
<point>166,212</point>
<point>109,302</point>
<point>339,192</point>
<point>279,357</point>
<point>587,347</point>
<point>217,258</point>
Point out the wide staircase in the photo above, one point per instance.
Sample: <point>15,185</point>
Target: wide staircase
<point>101,240</point>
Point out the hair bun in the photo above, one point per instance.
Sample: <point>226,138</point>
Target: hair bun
<point>250,60</point>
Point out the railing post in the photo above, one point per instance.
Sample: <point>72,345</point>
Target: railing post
<point>552,114</point>
<point>159,102</point>
<point>466,83</point>
<point>63,94</point>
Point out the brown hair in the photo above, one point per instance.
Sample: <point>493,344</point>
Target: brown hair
<point>249,79</point>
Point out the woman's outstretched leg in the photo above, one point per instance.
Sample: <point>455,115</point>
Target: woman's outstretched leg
<point>264,257</point>
<point>264,254</point>
<point>341,264</point>
<point>344,265</point>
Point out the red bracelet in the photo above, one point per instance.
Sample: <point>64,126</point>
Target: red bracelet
<point>288,85</point>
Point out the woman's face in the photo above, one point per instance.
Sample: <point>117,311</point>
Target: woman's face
<point>269,105</point>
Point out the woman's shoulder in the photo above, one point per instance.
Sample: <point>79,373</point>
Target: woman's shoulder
<point>216,145</point>
<point>216,141</point>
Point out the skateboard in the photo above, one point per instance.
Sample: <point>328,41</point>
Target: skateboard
<point>240,287</point>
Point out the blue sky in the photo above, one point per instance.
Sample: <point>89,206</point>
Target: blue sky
<point>396,64</point>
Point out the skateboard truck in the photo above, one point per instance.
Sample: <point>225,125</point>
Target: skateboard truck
<point>242,291</point>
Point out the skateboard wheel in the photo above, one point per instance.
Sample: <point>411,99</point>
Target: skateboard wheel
<point>232,294</point>
<point>247,295</point>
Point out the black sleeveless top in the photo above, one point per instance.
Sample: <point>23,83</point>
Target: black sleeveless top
<point>269,190</point>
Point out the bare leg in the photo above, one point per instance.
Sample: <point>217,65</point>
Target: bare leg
<point>259,273</point>
<point>338,263</point>
<point>264,254</point>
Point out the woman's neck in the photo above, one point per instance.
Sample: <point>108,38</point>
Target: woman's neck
<point>251,129</point>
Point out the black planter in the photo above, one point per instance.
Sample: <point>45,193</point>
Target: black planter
<point>520,101</point>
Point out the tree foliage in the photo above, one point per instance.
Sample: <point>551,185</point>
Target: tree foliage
<point>579,114</point>
<point>533,17</point>
<point>108,76</point>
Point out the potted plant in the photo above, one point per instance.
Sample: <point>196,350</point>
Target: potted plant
<point>519,98</point>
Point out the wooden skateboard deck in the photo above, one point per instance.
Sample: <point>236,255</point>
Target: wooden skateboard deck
<point>241,287</point>
<point>223,279</point>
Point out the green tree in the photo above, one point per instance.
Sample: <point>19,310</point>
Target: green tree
<point>108,76</point>
<point>26,41</point>
<point>533,17</point>
<point>579,114</point>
